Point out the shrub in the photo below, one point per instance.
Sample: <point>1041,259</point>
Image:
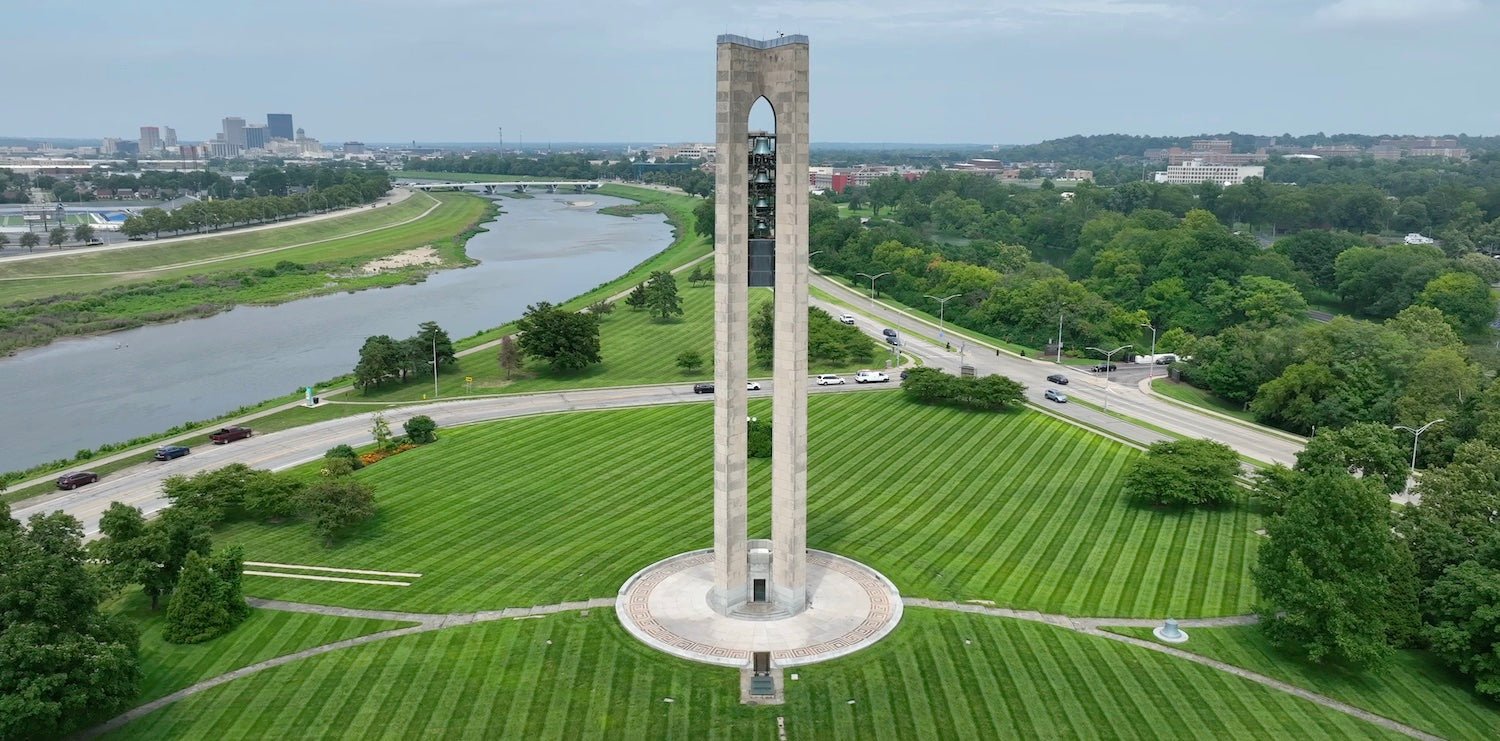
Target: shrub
<point>759,442</point>
<point>346,453</point>
<point>932,386</point>
<point>420,429</point>
<point>1184,472</point>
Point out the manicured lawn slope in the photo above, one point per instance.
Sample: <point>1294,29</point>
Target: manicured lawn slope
<point>1018,508</point>
<point>266,634</point>
<point>1413,689</point>
<point>939,676</point>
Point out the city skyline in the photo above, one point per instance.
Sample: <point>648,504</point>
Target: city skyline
<point>951,71</point>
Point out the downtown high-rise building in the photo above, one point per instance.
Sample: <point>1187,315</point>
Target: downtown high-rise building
<point>256,137</point>
<point>150,139</point>
<point>279,125</point>
<point>168,137</point>
<point>234,133</point>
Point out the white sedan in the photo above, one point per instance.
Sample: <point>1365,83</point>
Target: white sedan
<point>752,386</point>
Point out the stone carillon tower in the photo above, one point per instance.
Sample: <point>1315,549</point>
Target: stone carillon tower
<point>760,239</point>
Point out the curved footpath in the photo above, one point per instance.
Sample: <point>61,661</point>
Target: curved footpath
<point>396,196</point>
<point>425,622</point>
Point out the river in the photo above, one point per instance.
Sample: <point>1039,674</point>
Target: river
<point>82,393</point>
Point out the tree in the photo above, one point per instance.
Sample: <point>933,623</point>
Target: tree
<point>690,360</point>
<point>1463,297</point>
<point>601,308</point>
<point>63,663</point>
<point>1464,630</point>
<point>568,341</point>
<point>344,453</point>
<point>1455,520</point>
<point>638,298</point>
<point>204,604</point>
<point>336,504</point>
<point>420,429</point>
<point>661,295</point>
<point>763,332</point>
<point>509,356</point>
<point>150,554</point>
<point>56,237</point>
<point>83,233</point>
<point>703,218</point>
<point>30,240</point>
<point>701,274</point>
<point>1183,472</point>
<point>1327,576</point>
<point>430,335</point>
<point>758,443</point>
<point>1364,449</point>
<point>380,358</point>
<point>380,431</point>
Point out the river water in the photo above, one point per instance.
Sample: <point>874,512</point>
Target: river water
<point>83,393</point>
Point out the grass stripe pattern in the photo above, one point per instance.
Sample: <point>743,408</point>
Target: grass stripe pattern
<point>1016,508</point>
<point>940,675</point>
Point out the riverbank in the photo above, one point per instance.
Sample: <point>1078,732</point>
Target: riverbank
<point>687,245</point>
<point>190,280</point>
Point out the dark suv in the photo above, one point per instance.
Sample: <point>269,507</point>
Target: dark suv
<point>76,479</point>
<point>703,388</point>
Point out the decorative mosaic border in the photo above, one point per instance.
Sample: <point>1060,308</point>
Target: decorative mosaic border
<point>633,607</point>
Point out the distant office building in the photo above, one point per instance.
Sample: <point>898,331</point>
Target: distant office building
<point>110,145</point>
<point>280,125</point>
<point>1213,146</point>
<point>221,149</point>
<point>1079,175</point>
<point>234,133</point>
<point>354,147</point>
<point>256,137</point>
<point>168,137</point>
<point>150,139</point>
<point>190,152</point>
<point>1198,171</point>
<point>127,147</point>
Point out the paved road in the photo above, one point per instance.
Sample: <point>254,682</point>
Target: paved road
<point>1122,395</point>
<point>140,486</point>
<point>395,196</point>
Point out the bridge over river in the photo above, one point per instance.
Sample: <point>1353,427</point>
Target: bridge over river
<point>519,186</point>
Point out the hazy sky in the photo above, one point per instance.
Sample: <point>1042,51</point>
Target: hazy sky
<point>987,71</point>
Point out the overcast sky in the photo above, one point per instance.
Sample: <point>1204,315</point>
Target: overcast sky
<point>984,71</point>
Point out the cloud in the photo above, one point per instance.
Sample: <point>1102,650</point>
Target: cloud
<point>1380,12</point>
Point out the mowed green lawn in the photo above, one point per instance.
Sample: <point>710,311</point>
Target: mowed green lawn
<point>455,213</point>
<point>1414,688</point>
<point>1018,508</point>
<point>938,676</point>
<point>266,634</point>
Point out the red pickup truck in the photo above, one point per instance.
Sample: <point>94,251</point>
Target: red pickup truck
<point>229,435</point>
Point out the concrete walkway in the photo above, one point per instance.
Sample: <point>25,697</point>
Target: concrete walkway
<point>425,622</point>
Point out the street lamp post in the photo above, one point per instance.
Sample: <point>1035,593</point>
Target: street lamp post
<point>873,278</point>
<point>1059,336</point>
<point>1151,370</point>
<point>1108,359</point>
<point>942,306</point>
<point>1416,436</point>
<point>434,365</point>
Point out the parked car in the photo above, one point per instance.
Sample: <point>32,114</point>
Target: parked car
<point>1057,396</point>
<point>76,479</point>
<point>888,332</point>
<point>846,318</point>
<point>1058,379</point>
<point>752,386</point>
<point>229,435</point>
<point>871,376</point>
<point>829,379</point>
<point>1104,368</point>
<point>703,388</point>
<point>168,452</point>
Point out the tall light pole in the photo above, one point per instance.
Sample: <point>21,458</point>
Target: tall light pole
<point>873,278</point>
<point>434,365</point>
<point>1416,436</point>
<point>1059,336</point>
<point>942,305</point>
<point>1108,357</point>
<point>1151,370</point>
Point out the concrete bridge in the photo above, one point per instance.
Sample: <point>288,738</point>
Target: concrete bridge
<point>519,186</point>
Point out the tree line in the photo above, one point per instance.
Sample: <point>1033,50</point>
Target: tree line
<point>201,216</point>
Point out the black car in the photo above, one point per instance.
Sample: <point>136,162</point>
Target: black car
<point>168,452</point>
<point>76,479</point>
<point>1058,379</point>
<point>703,388</point>
<point>891,339</point>
<point>888,332</point>
<point>903,374</point>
